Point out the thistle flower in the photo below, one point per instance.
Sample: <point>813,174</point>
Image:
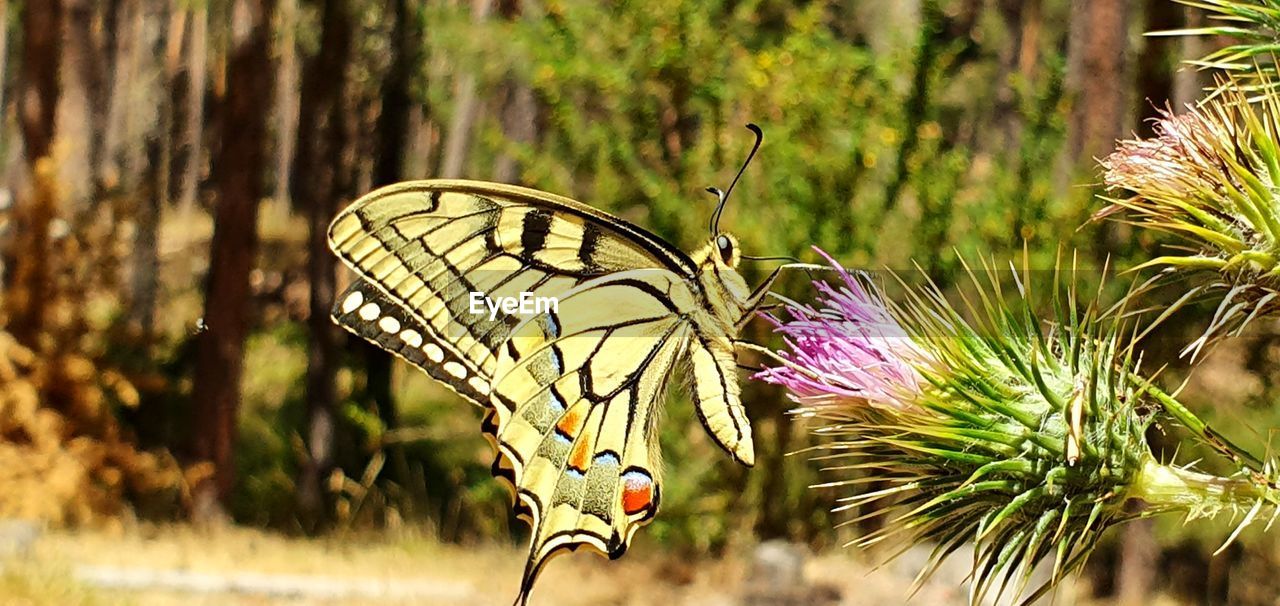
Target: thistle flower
<point>851,351</point>
<point>1022,441</point>
<point>1210,177</point>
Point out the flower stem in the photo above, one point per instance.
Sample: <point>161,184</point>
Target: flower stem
<point>1166,487</point>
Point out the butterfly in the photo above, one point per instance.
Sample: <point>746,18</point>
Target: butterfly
<point>571,392</point>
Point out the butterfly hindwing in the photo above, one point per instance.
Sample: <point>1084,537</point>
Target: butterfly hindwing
<point>580,433</point>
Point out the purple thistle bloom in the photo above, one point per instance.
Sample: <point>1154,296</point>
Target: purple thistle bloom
<point>849,350</point>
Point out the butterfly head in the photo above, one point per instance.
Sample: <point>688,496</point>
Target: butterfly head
<point>727,250</point>
<point>717,261</point>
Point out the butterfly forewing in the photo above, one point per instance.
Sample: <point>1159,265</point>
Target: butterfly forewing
<point>369,313</point>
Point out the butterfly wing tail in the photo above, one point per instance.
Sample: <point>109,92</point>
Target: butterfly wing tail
<point>526,582</point>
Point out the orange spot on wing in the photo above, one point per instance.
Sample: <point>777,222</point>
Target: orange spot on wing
<point>571,423</point>
<point>581,454</point>
<point>637,493</point>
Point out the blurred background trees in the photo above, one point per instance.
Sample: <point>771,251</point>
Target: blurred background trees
<point>171,165</point>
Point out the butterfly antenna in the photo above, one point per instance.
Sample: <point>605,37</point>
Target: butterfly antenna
<point>773,258</point>
<point>715,216</point>
<point>724,197</point>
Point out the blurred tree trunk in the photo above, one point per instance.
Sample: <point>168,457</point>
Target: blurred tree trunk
<point>37,101</point>
<point>1096,85</point>
<point>39,87</point>
<point>192,131</point>
<point>239,178</point>
<point>519,111</point>
<point>1139,554</point>
<point>397,102</point>
<point>4,73</point>
<point>287,99</point>
<point>159,65</point>
<point>519,127</point>
<point>928,46</point>
<point>92,26</point>
<point>160,59</point>
<point>519,107</point>
<point>145,261</point>
<point>1157,62</point>
<point>1017,63</point>
<point>177,81</point>
<point>1032,27</point>
<point>135,63</point>
<point>393,130</point>
<point>4,77</point>
<point>420,149</point>
<point>466,110</point>
<point>1189,82</point>
<point>1097,55</point>
<point>316,187</point>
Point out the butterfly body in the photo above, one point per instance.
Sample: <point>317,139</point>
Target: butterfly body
<point>571,394</point>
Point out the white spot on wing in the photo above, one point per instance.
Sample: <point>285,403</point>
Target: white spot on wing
<point>479,385</point>
<point>370,311</point>
<point>433,351</point>
<point>411,337</point>
<point>389,324</point>
<point>352,302</point>
<point>455,369</point>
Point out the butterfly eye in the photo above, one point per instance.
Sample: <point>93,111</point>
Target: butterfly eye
<point>726,248</point>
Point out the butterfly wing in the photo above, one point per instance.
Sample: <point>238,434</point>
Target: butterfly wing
<point>575,411</point>
<point>571,394</point>
<point>426,246</point>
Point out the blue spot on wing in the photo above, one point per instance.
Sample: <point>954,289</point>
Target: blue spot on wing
<point>606,458</point>
<point>557,401</point>
<point>556,361</point>
<point>637,476</point>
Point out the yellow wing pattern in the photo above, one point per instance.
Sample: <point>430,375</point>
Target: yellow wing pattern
<point>571,394</point>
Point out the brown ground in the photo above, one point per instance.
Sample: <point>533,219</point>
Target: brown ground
<point>246,567</point>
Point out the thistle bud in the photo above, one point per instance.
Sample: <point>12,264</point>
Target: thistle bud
<point>1209,178</point>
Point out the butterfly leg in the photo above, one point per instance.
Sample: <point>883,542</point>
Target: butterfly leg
<point>776,358</point>
<point>753,303</point>
<point>771,307</point>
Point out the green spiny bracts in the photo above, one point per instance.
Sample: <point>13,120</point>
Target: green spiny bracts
<point>1023,439</point>
<point>1252,26</point>
<point>1211,177</point>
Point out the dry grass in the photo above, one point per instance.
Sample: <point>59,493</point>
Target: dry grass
<point>27,584</point>
<point>477,575</point>
<point>489,573</point>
